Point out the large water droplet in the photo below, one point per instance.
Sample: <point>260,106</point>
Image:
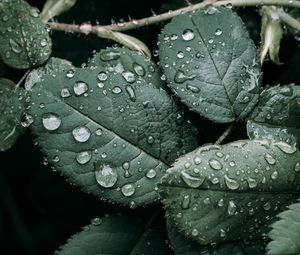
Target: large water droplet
<point>215,164</point>
<point>80,88</point>
<point>51,121</point>
<point>81,134</point>
<point>252,182</point>
<point>151,174</point>
<point>83,157</point>
<point>286,148</point>
<point>139,70</point>
<point>181,77</point>
<point>129,76</point>
<point>128,190</point>
<point>231,183</point>
<point>105,175</point>
<point>188,35</point>
<point>270,159</point>
<point>15,47</point>
<point>192,181</point>
<point>231,209</point>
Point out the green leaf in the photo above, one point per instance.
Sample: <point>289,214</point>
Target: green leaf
<point>12,105</point>
<point>110,133</point>
<point>122,60</point>
<point>183,246</point>
<point>53,8</point>
<point>210,63</point>
<point>24,40</point>
<point>286,233</point>
<point>52,66</point>
<point>276,115</point>
<point>213,191</point>
<point>115,235</point>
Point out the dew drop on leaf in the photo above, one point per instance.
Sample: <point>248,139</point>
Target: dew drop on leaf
<point>231,209</point>
<point>297,167</point>
<point>181,77</point>
<point>70,74</point>
<point>270,159</point>
<point>116,90</point>
<point>139,70</point>
<point>192,181</point>
<point>80,88</point>
<point>102,76</point>
<point>105,175</point>
<point>286,148</point>
<point>231,183</point>
<point>151,174</point>
<point>65,93</point>
<point>185,202</point>
<point>131,93</point>
<point>215,164</point>
<point>218,32</point>
<point>81,134</point>
<point>150,139</point>
<point>188,35</point>
<point>51,121</point>
<point>109,55</point>
<point>251,182</point>
<point>83,157</point>
<point>129,76</point>
<point>128,190</point>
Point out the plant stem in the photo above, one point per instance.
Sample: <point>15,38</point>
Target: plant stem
<point>288,19</point>
<point>225,134</point>
<point>23,78</point>
<point>134,24</point>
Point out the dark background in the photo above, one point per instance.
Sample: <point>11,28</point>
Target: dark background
<point>39,210</point>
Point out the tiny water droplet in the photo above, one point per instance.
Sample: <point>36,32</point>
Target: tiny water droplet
<point>274,175</point>
<point>297,167</point>
<point>99,132</point>
<point>150,139</point>
<point>51,121</point>
<point>96,221</point>
<point>195,232</point>
<point>81,134</point>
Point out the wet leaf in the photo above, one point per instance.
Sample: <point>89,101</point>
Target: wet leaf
<point>213,191</point>
<point>53,8</point>
<point>210,63</point>
<point>110,133</point>
<point>276,116</point>
<point>52,66</point>
<point>183,246</point>
<point>12,105</point>
<point>115,235</point>
<point>24,40</point>
<point>285,232</point>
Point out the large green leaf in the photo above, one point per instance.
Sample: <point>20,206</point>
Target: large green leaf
<point>276,116</point>
<point>52,66</point>
<point>183,246</point>
<point>113,137</point>
<point>24,40</point>
<point>230,192</point>
<point>286,233</point>
<point>210,63</point>
<point>12,105</point>
<point>115,235</point>
<point>123,60</point>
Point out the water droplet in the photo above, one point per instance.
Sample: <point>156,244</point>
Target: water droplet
<point>185,203</point>
<point>215,164</point>
<point>297,167</point>
<point>188,35</point>
<point>102,76</point>
<point>105,175</point>
<point>150,139</point>
<point>80,88</point>
<point>274,175</point>
<point>231,183</point>
<point>218,31</point>
<point>231,209</point>
<point>210,10</point>
<point>151,174</point>
<point>222,233</point>
<point>96,221</point>
<point>267,206</point>
<point>70,74</point>
<point>99,132</point>
<point>44,43</point>
<point>192,181</point>
<point>129,76</point>
<point>27,120</point>
<point>197,160</point>
<point>65,93</point>
<point>252,183</point>
<point>139,70</point>
<point>192,88</point>
<point>109,55</point>
<point>180,54</point>
<point>131,93</point>
<point>219,154</point>
<point>15,47</point>
<point>81,134</point>
<point>181,77</point>
<point>83,157</point>
<point>286,148</point>
<point>51,121</point>
<point>270,159</point>
<point>128,190</point>
<point>195,232</point>
<point>221,202</point>
<point>116,90</point>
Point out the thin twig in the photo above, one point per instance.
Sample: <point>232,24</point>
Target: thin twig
<point>226,133</point>
<point>23,78</point>
<point>134,24</point>
<point>288,19</point>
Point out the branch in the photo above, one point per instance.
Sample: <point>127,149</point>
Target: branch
<point>134,24</point>
<point>288,19</point>
<point>225,134</point>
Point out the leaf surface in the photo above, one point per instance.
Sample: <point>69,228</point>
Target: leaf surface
<point>210,63</point>
<point>12,105</point>
<point>285,233</point>
<point>213,191</point>
<point>113,137</point>
<point>24,40</point>
<point>115,235</point>
<point>276,116</point>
